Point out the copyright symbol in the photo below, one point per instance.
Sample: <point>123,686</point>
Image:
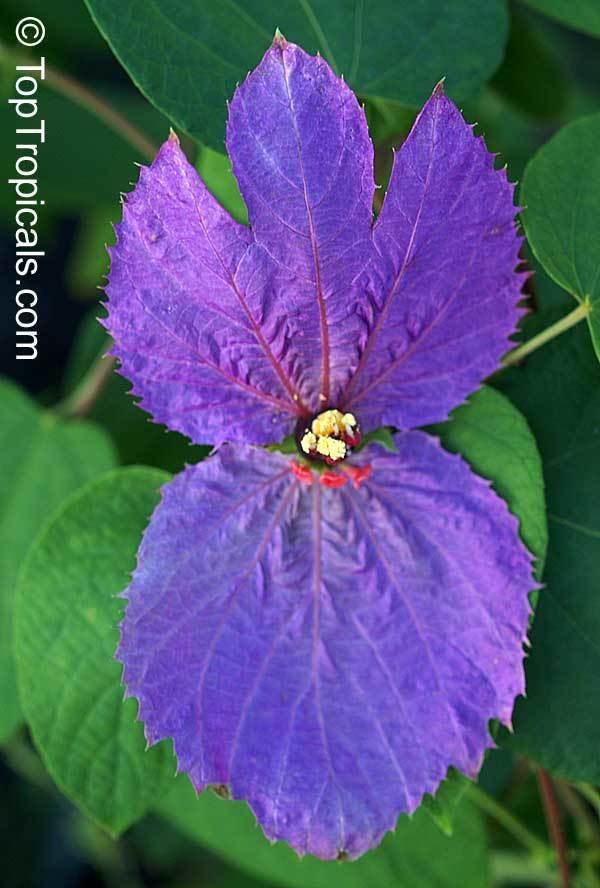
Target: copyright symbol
<point>30,31</point>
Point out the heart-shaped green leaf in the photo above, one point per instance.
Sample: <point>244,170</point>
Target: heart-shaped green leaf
<point>65,638</point>
<point>495,439</point>
<point>561,191</point>
<point>188,57</point>
<point>558,723</point>
<point>42,461</point>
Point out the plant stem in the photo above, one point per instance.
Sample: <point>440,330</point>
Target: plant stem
<point>554,823</point>
<point>578,314</point>
<point>86,98</point>
<point>509,822</point>
<point>519,869</point>
<point>81,400</point>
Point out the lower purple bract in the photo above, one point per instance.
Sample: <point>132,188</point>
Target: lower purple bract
<point>326,645</point>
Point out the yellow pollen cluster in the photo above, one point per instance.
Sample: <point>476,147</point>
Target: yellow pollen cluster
<point>308,442</point>
<point>333,423</point>
<point>325,432</point>
<point>331,447</point>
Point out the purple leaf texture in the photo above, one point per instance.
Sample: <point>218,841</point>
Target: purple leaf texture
<point>192,312</point>
<point>327,653</point>
<point>440,299</point>
<point>231,333</point>
<point>301,153</point>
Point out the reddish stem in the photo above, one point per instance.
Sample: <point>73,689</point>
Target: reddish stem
<point>81,401</point>
<point>554,824</point>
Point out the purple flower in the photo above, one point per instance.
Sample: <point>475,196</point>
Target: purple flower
<point>324,633</point>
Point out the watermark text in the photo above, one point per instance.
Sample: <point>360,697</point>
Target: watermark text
<point>30,132</point>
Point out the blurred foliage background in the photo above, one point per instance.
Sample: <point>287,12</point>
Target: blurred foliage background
<point>550,75</point>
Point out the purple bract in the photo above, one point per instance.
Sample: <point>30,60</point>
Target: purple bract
<point>324,633</point>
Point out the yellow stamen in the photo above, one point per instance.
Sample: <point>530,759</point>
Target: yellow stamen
<point>331,447</point>
<point>349,422</point>
<point>328,423</point>
<point>308,442</point>
<point>328,434</point>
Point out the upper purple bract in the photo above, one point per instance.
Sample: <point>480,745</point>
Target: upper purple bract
<point>326,653</point>
<point>231,333</point>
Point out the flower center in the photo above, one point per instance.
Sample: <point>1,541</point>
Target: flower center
<point>329,437</point>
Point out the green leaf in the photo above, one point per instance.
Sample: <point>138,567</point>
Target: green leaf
<point>561,190</point>
<point>42,461</point>
<point>65,638</point>
<point>531,76</point>
<point>417,855</point>
<point>443,806</point>
<point>187,58</point>
<point>383,435</point>
<point>288,445</point>
<point>493,436</point>
<point>558,723</point>
<point>583,15</point>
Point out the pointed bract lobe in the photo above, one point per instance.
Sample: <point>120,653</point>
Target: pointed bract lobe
<point>192,314</point>
<point>303,159</point>
<point>327,654</point>
<point>441,296</point>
